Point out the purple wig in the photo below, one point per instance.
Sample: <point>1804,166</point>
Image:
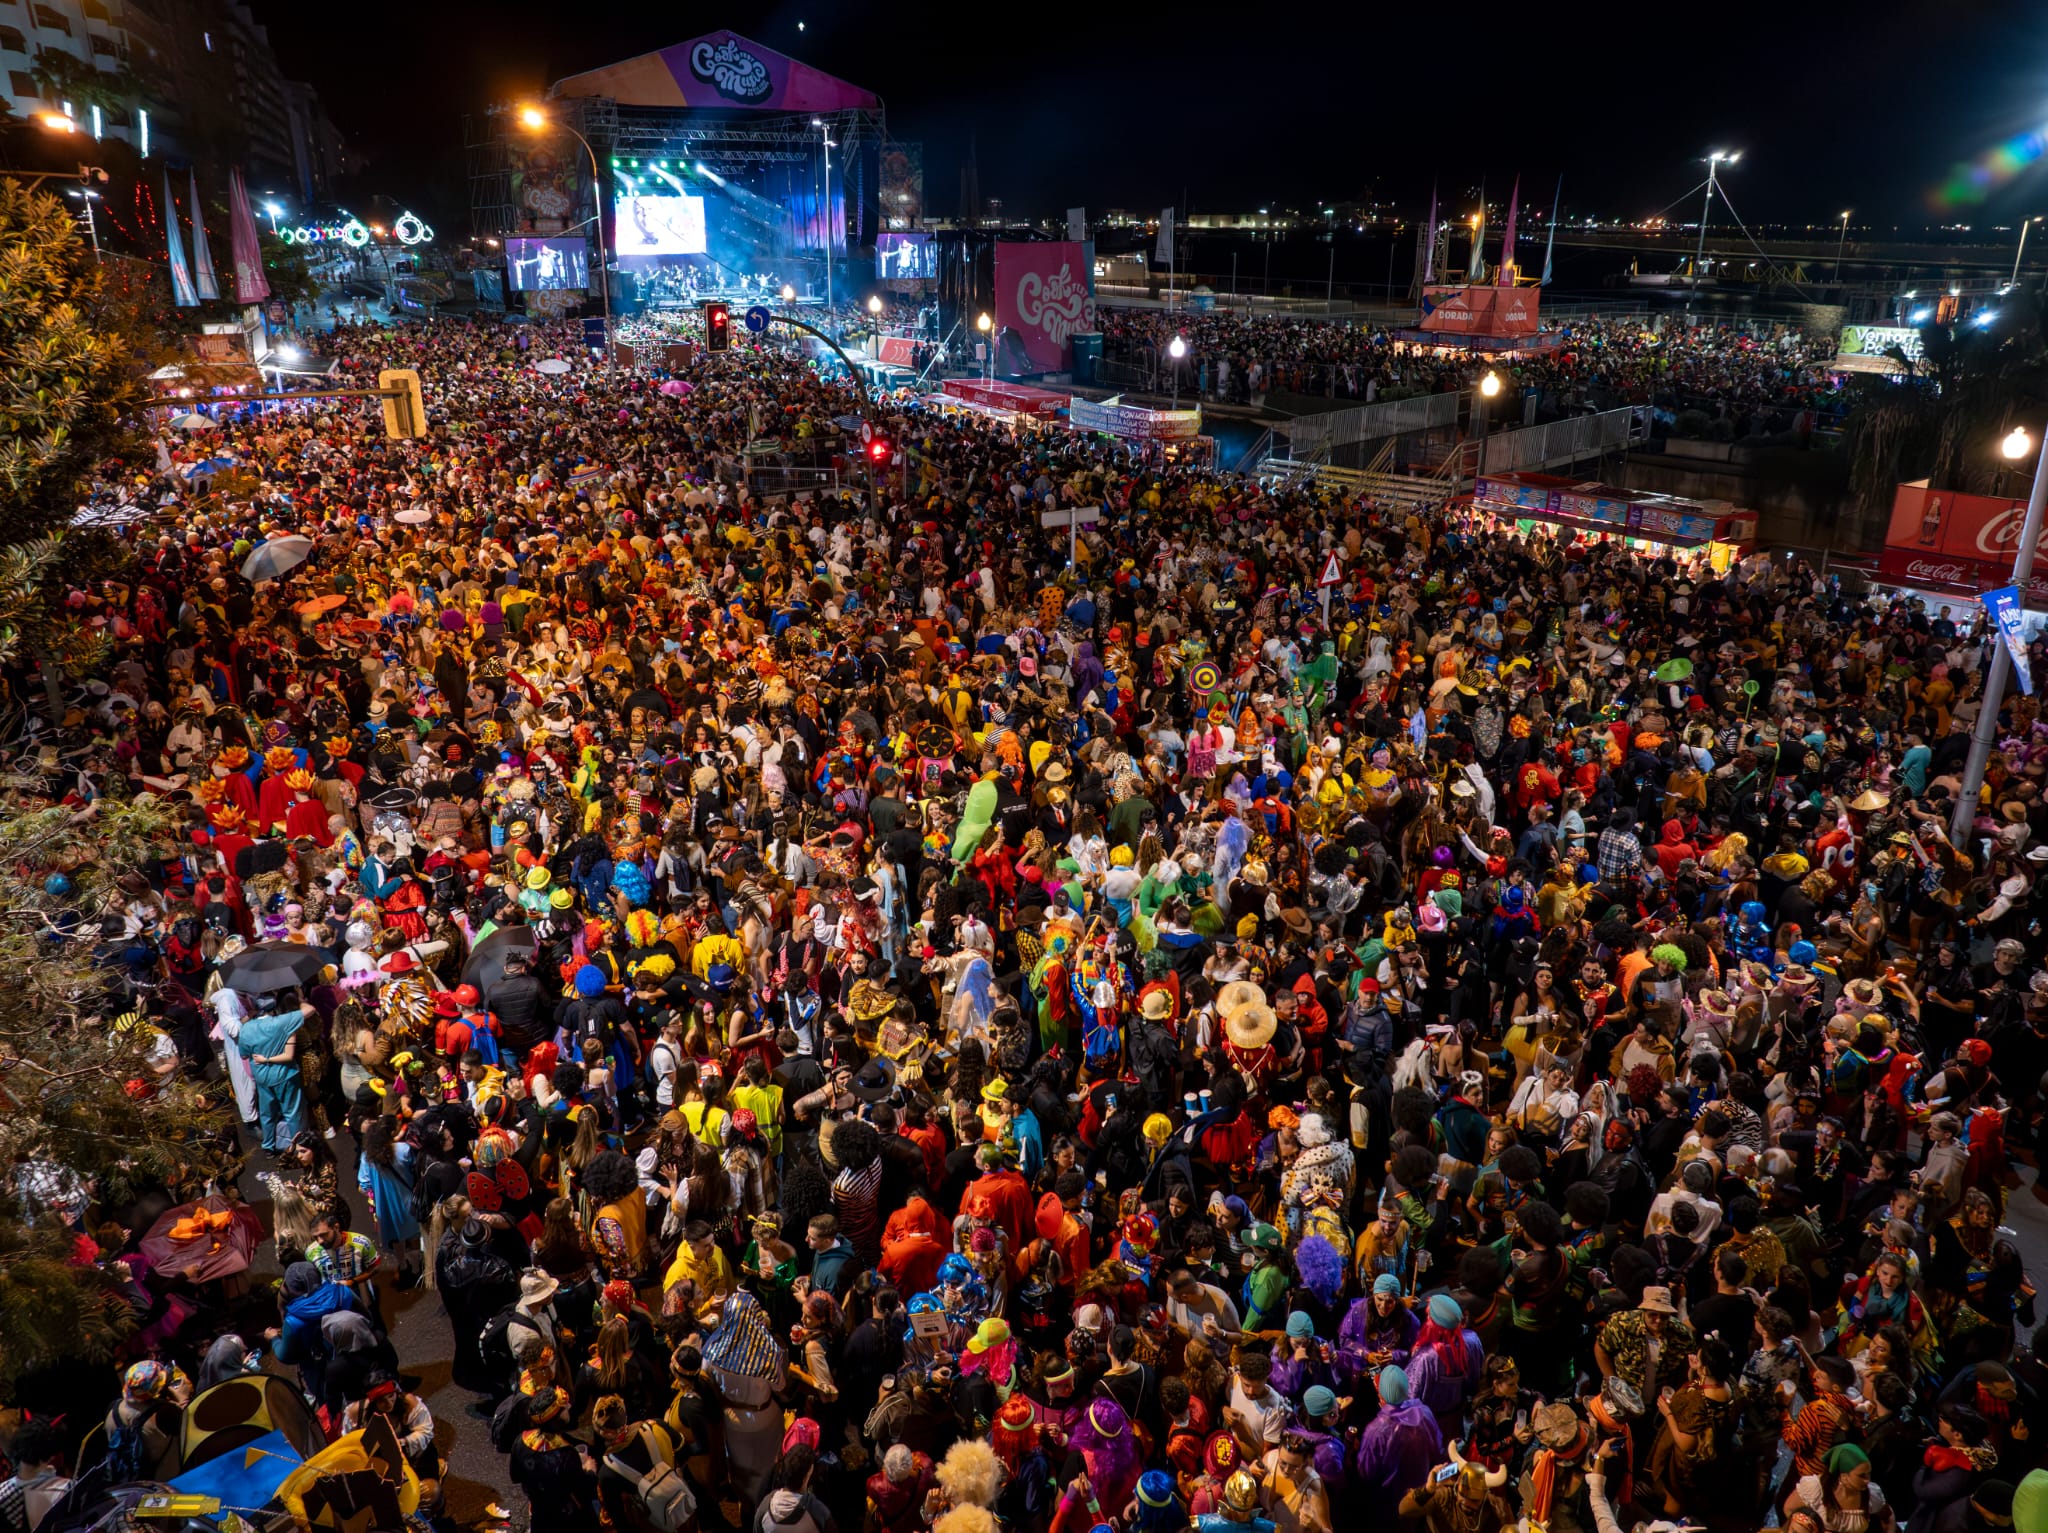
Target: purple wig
<point>1106,1443</point>
<point>1322,1268</point>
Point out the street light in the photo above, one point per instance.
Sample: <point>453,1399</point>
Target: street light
<point>1699,255</point>
<point>1489,387</point>
<point>2017,444</point>
<point>788,293</point>
<point>534,120</point>
<point>875,304</point>
<point>56,122</point>
<point>988,351</point>
<point>273,210</point>
<point>1844,235</point>
<point>1176,348</point>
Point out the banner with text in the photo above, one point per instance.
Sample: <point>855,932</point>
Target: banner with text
<point>1046,294</point>
<point>2008,612</point>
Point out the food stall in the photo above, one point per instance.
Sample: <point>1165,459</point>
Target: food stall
<point>1655,524</point>
<point>1159,436</point>
<point>1016,404</point>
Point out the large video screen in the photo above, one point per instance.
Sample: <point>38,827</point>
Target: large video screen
<point>905,258</point>
<point>547,265</point>
<point>669,224</point>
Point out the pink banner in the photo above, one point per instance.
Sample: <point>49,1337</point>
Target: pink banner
<point>723,70</point>
<point>251,286</point>
<point>1046,294</point>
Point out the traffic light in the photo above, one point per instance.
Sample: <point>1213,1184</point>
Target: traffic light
<point>717,327</point>
<point>405,412</point>
<point>879,450</point>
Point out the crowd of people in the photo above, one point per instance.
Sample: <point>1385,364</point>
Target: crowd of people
<point>1763,375</point>
<point>859,1022</point>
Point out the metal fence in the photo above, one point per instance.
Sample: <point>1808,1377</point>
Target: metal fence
<point>1565,441</point>
<point>1317,436</point>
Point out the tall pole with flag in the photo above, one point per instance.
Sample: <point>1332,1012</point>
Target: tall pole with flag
<point>1506,278</point>
<point>1425,247</point>
<point>1550,236</point>
<point>251,286</point>
<point>1475,268</point>
<point>181,275</point>
<point>205,282</point>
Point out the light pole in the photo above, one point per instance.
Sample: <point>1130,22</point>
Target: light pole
<point>91,229</point>
<point>875,319</point>
<point>2025,223</point>
<point>1489,388</point>
<point>534,120</point>
<point>988,348</point>
<point>273,210</point>
<point>1839,239</point>
<point>1176,348</point>
<point>2015,447</point>
<point>1699,255</point>
<point>825,132</point>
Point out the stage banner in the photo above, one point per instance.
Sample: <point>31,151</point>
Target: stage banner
<point>897,351</point>
<point>1045,293</point>
<point>2009,613</point>
<point>1162,249</point>
<point>1480,310</point>
<point>251,286</point>
<point>721,70</point>
<point>902,182</point>
<point>544,179</point>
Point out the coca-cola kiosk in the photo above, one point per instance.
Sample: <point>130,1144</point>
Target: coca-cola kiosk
<point>1654,524</point>
<point>1954,544</point>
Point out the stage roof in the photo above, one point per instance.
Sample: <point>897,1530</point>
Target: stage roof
<point>719,70</point>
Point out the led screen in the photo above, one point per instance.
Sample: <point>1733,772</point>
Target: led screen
<point>905,257</point>
<point>669,224</point>
<point>546,265</point>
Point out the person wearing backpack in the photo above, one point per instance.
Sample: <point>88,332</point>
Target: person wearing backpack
<point>638,1479</point>
<point>143,1423</point>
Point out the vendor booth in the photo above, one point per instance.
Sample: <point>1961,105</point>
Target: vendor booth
<point>1163,436</point>
<point>1654,524</point>
<point>1945,544</point>
<point>1015,403</point>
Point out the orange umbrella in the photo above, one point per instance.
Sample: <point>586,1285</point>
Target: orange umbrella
<point>320,605</point>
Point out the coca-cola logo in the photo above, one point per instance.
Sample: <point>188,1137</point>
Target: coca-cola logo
<point>1928,569</point>
<point>2002,531</point>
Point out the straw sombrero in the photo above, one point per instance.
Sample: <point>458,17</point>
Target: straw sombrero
<point>1251,1026</point>
<point>1237,995</point>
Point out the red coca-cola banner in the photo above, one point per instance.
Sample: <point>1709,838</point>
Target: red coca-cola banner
<point>1942,540</point>
<point>897,351</point>
<point>1967,527</point>
<point>1046,294</point>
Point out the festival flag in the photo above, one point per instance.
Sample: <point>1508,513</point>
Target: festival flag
<point>1163,250</point>
<point>1077,224</point>
<point>251,286</point>
<point>1550,239</point>
<point>1507,244</point>
<point>1429,240</point>
<point>202,254</point>
<point>181,275</point>
<point>1475,268</point>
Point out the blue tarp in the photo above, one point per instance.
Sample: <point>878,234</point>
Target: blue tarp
<point>245,1478</point>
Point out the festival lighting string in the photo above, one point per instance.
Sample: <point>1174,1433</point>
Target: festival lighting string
<point>1971,183</point>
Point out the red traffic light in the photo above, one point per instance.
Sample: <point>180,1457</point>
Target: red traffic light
<point>717,327</point>
<point>878,449</point>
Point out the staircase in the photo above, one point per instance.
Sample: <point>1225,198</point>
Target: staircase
<point>1377,480</point>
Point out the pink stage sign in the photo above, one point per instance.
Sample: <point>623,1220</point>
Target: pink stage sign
<point>1046,293</point>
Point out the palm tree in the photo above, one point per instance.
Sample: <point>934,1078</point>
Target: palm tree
<point>64,77</point>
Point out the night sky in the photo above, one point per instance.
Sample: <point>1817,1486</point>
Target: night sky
<point>1867,107</point>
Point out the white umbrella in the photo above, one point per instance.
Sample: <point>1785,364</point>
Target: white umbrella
<point>412,516</point>
<point>277,557</point>
<point>192,420</point>
<point>552,366</point>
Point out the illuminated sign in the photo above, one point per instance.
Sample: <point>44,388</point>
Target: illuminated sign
<point>410,229</point>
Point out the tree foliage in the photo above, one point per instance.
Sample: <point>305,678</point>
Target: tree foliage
<point>67,378</point>
<point>72,1083</point>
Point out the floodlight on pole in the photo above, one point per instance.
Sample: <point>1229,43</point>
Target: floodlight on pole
<point>2017,444</point>
<point>875,304</point>
<point>1490,384</point>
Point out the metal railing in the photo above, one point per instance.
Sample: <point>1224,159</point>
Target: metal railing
<point>1565,441</point>
<point>1315,436</point>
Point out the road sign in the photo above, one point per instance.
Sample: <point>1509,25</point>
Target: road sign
<point>757,319</point>
<point>1071,516</point>
<point>1333,572</point>
<point>593,331</point>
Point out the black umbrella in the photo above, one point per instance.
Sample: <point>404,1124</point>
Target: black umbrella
<point>651,700</point>
<point>486,965</point>
<point>273,966</point>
